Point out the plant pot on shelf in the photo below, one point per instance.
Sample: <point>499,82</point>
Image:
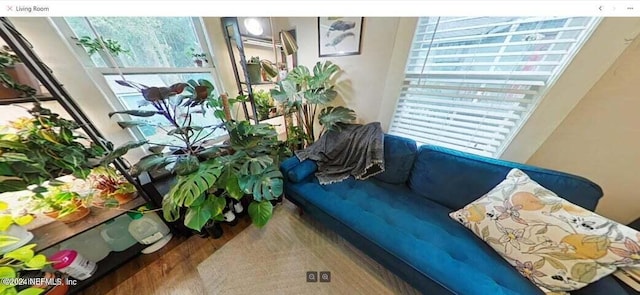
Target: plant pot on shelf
<point>74,216</point>
<point>21,75</point>
<point>125,198</point>
<point>198,63</point>
<point>254,70</point>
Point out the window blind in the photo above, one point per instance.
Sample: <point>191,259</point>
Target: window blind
<point>471,82</point>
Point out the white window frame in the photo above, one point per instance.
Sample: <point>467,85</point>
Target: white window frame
<point>508,138</point>
<point>97,73</point>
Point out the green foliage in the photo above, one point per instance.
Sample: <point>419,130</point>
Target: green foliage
<point>8,59</point>
<point>108,182</point>
<point>42,148</point>
<point>21,259</point>
<point>260,212</point>
<point>332,117</point>
<point>93,45</point>
<point>58,199</point>
<point>264,104</point>
<point>208,175</point>
<point>303,92</point>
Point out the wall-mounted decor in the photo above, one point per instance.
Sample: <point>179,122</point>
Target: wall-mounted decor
<point>339,36</point>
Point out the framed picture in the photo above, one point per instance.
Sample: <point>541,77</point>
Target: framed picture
<point>338,36</point>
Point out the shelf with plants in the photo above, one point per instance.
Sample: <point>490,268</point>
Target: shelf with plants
<point>55,232</point>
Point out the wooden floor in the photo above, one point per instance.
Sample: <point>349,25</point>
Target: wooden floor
<point>172,270</point>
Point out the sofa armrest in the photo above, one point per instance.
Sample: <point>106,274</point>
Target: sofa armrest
<point>296,171</point>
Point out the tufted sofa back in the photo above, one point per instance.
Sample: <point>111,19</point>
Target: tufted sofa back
<point>454,178</point>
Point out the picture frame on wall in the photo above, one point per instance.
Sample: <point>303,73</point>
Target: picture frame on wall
<point>339,36</point>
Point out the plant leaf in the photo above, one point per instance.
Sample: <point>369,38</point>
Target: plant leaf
<point>189,187</point>
<point>137,113</point>
<point>37,262</point>
<point>260,212</point>
<point>170,211</point>
<point>121,151</point>
<point>5,222</point>
<point>151,162</point>
<point>23,254</point>
<point>233,187</point>
<point>23,220</point>
<point>129,124</point>
<point>197,216</point>
<point>332,117</point>
<point>186,164</point>
<point>264,186</point>
<point>7,272</point>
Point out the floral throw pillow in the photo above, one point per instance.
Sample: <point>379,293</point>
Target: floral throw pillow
<point>557,245</point>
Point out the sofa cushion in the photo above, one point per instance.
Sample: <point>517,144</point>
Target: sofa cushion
<point>399,154</point>
<point>455,179</point>
<point>554,243</point>
<point>417,231</point>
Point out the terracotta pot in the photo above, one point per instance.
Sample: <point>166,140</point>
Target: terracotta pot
<point>125,198</point>
<point>21,74</point>
<point>82,212</point>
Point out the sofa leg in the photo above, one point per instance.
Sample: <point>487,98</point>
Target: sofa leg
<point>300,211</point>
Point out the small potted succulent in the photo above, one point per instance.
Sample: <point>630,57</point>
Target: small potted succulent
<point>60,203</point>
<point>111,186</point>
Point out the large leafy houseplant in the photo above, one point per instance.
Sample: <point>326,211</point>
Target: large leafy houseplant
<point>207,175</point>
<point>308,95</point>
<point>41,148</point>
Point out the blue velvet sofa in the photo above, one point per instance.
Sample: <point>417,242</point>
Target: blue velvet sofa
<point>400,217</point>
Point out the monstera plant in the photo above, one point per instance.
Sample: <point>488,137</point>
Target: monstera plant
<point>305,94</point>
<point>41,148</point>
<point>206,175</point>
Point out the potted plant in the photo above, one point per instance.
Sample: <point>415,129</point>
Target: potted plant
<point>41,148</point>
<point>265,105</point>
<point>12,233</point>
<point>111,186</point>
<point>95,45</point>
<point>307,95</point>
<point>247,164</point>
<point>199,59</point>
<point>60,203</point>
<point>256,67</point>
<point>15,78</point>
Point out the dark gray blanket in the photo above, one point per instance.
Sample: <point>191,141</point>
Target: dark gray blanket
<point>356,150</point>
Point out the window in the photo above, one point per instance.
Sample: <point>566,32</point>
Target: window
<point>471,82</point>
<point>158,53</point>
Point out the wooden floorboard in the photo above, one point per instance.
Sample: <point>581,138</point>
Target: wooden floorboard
<point>172,270</point>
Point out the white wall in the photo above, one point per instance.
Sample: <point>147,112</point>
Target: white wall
<point>362,83</point>
<point>599,139</point>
